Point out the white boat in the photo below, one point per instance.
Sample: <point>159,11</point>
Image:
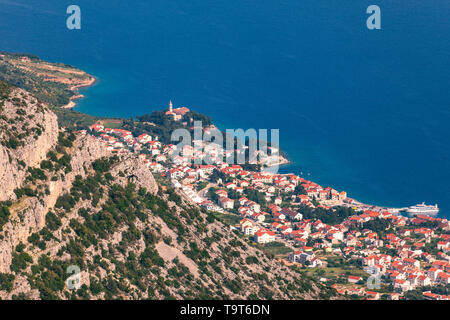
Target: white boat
<point>423,209</point>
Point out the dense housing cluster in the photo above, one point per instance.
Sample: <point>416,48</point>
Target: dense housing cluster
<point>336,238</point>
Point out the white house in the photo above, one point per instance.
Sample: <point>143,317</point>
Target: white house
<point>264,236</point>
<point>248,227</point>
<point>258,217</point>
<point>291,214</point>
<point>423,281</point>
<point>226,203</point>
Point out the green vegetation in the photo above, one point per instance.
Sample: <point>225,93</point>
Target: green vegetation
<point>66,201</point>
<point>4,215</point>
<point>256,196</point>
<point>329,216</point>
<point>72,119</point>
<point>114,231</point>
<point>66,141</point>
<point>216,175</point>
<point>20,259</point>
<point>20,192</point>
<point>51,93</point>
<point>49,277</point>
<point>228,219</point>
<point>201,185</point>
<point>251,260</point>
<point>6,282</point>
<point>299,189</point>
<point>11,143</point>
<point>5,90</point>
<point>104,164</point>
<point>52,221</point>
<point>275,249</point>
<point>413,295</point>
<point>112,123</point>
<point>159,124</point>
<point>377,225</point>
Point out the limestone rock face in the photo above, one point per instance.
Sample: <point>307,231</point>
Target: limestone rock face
<point>134,170</point>
<point>28,216</point>
<point>37,126</point>
<point>85,150</point>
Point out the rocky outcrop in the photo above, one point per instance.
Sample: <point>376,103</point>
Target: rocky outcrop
<point>23,116</point>
<point>28,215</point>
<point>133,244</point>
<point>85,150</point>
<point>133,169</point>
<point>37,126</point>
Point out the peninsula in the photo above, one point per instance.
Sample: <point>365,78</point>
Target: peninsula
<point>111,196</point>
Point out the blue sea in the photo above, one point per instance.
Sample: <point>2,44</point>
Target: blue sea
<point>365,111</point>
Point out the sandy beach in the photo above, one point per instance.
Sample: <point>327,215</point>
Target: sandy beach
<point>78,96</point>
<point>88,83</point>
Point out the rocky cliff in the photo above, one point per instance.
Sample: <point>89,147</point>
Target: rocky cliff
<point>66,203</point>
<point>29,134</point>
<point>28,130</point>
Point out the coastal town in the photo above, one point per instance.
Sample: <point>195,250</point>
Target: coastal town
<point>364,252</point>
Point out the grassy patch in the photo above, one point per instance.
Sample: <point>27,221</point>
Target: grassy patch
<point>73,119</point>
<point>334,272</point>
<point>230,219</point>
<point>112,123</point>
<point>276,249</point>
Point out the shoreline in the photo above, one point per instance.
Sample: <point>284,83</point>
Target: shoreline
<point>284,161</point>
<point>283,157</point>
<point>72,104</point>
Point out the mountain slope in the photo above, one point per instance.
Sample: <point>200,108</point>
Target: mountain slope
<point>69,204</point>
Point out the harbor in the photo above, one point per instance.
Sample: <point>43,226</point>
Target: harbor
<point>419,209</point>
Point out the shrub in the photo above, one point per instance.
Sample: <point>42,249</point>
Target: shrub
<point>65,201</point>
<point>251,260</point>
<point>52,221</point>
<point>6,282</point>
<point>4,215</point>
<point>20,261</point>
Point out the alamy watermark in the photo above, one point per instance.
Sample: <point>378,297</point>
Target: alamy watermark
<point>374,281</point>
<point>73,22</point>
<point>235,147</point>
<point>374,20</point>
<point>74,281</point>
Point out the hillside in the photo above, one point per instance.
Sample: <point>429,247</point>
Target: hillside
<point>67,201</point>
<point>54,84</point>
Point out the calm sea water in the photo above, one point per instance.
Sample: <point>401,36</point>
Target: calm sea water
<point>363,111</point>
